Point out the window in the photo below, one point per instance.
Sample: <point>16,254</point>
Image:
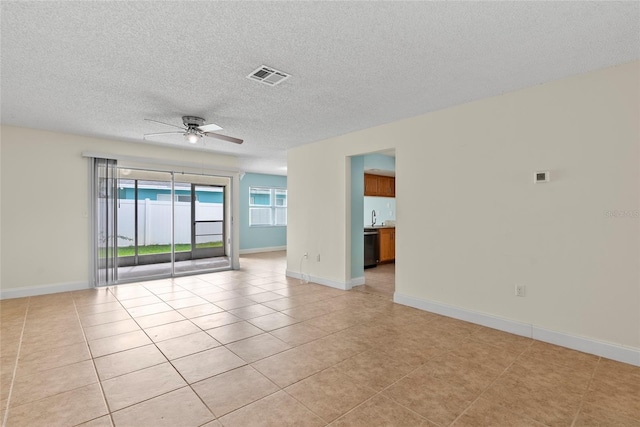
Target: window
<point>267,206</point>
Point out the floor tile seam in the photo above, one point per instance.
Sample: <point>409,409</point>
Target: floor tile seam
<point>95,369</point>
<point>358,381</point>
<point>105,323</point>
<point>15,367</point>
<point>262,358</point>
<point>326,423</point>
<point>584,395</point>
<point>380,393</point>
<point>606,408</point>
<point>113,336</point>
<point>135,370</point>
<point>38,372</point>
<point>278,389</point>
<point>93,419</point>
<point>85,315</point>
<point>80,317</point>
<point>498,347</point>
<point>155,344</point>
<point>561,365</point>
<point>168,301</point>
<point>109,336</point>
<point>481,395</point>
<point>111,412</point>
<point>30,402</point>
<point>156,294</point>
<point>203,379</point>
<point>523,355</point>
<point>356,407</point>
<point>500,405</point>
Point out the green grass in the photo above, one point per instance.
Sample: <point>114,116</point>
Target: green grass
<point>124,251</point>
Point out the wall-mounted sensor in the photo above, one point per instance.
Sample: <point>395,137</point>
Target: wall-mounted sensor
<point>541,177</point>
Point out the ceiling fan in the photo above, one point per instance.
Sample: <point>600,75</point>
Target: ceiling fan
<point>194,129</point>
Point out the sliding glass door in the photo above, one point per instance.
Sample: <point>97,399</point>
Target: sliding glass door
<point>208,221</point>
<point>153,224</point>
<point>144,223</point>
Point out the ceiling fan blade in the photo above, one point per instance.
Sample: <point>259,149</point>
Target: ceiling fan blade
<point>209,128</point>
<point>163,133</point>
<point>168,124</point>
<point>224,137</point>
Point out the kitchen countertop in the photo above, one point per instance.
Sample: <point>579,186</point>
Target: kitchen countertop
<point>378,226</point>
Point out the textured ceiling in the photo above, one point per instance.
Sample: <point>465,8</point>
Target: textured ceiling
<point>101,68</point>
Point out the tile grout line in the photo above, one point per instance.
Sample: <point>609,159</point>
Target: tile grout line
<point>190,385</point>
<point>593,374</point>
<point>155,344</point>
<point>93,361</point>
<point>492,383</point>
<point>445,351</point>
<point>15,368</point>
<point>361,403</point>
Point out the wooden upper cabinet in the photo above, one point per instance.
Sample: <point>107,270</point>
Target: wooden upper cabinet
<point>387,186</point>
<point>371,187</point>
<point>381,186</point>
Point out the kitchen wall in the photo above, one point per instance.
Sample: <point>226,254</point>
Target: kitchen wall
<point>472,224</point>
<point>259,239</point>
<point>355,244</point>
<point>385,208</point>
<point>45,204</point>
<point>379,162</point>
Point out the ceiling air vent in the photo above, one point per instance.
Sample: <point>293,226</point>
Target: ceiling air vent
<point>268,75</point>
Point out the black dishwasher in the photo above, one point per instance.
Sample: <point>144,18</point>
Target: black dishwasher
<point>370,248</point>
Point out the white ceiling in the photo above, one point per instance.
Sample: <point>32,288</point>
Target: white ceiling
<point>100,68</point>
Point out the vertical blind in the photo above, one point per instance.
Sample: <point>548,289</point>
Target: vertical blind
<point>105,192</point>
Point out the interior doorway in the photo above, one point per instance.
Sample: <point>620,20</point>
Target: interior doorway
<point>373,219</point>
<point>380,280</point>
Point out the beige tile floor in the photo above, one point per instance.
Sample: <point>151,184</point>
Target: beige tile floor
<point>380,280</point>
<point>254,348</point>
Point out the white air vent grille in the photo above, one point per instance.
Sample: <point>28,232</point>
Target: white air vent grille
<point>268,75</point>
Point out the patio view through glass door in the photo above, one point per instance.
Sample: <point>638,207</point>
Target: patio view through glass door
<point>208,221</point>
<point>168,225</point>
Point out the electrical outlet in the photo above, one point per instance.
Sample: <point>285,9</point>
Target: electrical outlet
<point>318,258</point>
<point>520,290</point>
<point>306,255</point>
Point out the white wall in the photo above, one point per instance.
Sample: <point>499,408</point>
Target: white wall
<point>480,225</point>
<point>45,203</point>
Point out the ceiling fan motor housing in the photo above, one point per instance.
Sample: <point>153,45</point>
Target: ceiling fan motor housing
<point>192,121</point>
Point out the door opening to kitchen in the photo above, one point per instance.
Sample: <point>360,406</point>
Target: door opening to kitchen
<point>373,211</point>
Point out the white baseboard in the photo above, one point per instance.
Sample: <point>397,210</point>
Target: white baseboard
<point>356,281</point>
<point>319,280</point>
<point>587,345</point>
<point>31,291</point>
<point>259,250</point>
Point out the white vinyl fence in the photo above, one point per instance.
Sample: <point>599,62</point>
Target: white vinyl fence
<point>154,221</point>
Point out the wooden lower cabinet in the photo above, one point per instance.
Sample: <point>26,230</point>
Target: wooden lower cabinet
<point>387,244</point>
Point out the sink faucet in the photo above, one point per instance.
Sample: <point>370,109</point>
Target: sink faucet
<point>373,217</point>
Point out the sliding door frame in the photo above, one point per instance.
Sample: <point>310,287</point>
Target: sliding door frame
<point>230,195</point>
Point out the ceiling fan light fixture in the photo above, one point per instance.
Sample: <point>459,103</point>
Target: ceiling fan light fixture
<point>192,136</point>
